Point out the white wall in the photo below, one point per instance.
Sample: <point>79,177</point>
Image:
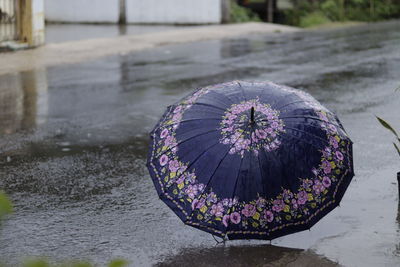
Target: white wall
<point>173,11</point>
<point>95,11</point>
<point>137,11</point>
<point>37,22</point>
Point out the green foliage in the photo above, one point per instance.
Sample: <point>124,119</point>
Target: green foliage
<point>313,19</point>
<point>5,205</point>
<point>241,14</point>
<point>118,263</point>
<point>340,10</point>
<point>390,128</point>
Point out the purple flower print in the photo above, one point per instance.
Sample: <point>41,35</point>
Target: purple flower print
<point>164,133</point>
<point>260,203</point>
<point>217,210</point>
<point>225,202</point>
<point>307,183</point>
<point>177,109</point>
<point>302,197</point>
<point>212,197</point>
<point>326,181</point>
<point>268,216</point>
<point>177,117</point>
<point>333,142</point>
<point>332,128</point>
<point>235,217</point>
<point>318,187</point>
<point>249,210</point>
<point>339,155</point>
<point>279,205</point>
<point>294,204</point>
<point>198,204</point>
<point>191,191</point>
<point>169,141</point>
<point>326,166</point>
<point>163,160</point>
<point>180,179</point>
<point>225,220</point>
<point>174,165</point>
<point>287,194</point>
<point>200,187</point>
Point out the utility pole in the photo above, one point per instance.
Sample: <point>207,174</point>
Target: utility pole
<point>270,10</point>
<point>225,11</point>
<point>122,12</point>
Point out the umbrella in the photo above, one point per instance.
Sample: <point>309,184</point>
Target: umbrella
<point>245,160</point>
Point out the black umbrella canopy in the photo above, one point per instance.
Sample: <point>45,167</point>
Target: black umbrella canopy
<point>250,160</point>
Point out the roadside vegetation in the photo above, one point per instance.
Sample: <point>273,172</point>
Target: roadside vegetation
<point>241,14</point>
<point>309,13</point>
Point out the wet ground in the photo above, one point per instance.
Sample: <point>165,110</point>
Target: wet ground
<point>56,33</point>
<point>74,141</point>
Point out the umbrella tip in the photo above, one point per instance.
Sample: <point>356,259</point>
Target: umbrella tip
<point>252,115</point>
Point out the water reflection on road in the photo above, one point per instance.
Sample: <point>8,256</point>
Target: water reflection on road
<point>74,141</point>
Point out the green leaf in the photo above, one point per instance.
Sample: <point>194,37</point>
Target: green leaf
<point>36,263</point>
<point>387,126</point>
<point>397,148</point>
<point>5,205</point>
<point>118,263</point>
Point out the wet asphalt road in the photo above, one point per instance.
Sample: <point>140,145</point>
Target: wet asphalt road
<point>74,138</point>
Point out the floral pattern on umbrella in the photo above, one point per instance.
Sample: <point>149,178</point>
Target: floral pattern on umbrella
<point>263,217</point>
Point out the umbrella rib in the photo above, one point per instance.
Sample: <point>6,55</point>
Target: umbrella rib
<point>208,105</point>
<point>233,193</point>
<point>183,141</point>
<point>314,136</point>
<point>209,180</point>
<point>309,117</point>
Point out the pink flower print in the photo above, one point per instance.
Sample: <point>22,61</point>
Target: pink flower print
<point>326,181</point>
<point>177,109</point>
<point>294,204</point>
<point>268,216</point>
<point>274,125</point>
<point>163,160</point>
<point>174,165</point>
<point>279,205</point>
<point>225,220</point>
<point>180,179</point>
<point>326,166</point>
<point>302,197</point>
<point>318,187</point>
<point>198,204</point>
<point>164,133</point>
<point>323,117</point>
<point>339,155</point>
<point>333,142</point>
<point>225,202</point>
<point>249,210</point>
<point>235,217</point>
<point>169,141</point>
<point>217,210</point>
<point>332,128</point>
<point>177,117</point>
<point>191,191</point>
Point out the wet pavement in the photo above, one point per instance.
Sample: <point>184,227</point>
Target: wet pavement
<point>56,33</point>
<point>74,141</point>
